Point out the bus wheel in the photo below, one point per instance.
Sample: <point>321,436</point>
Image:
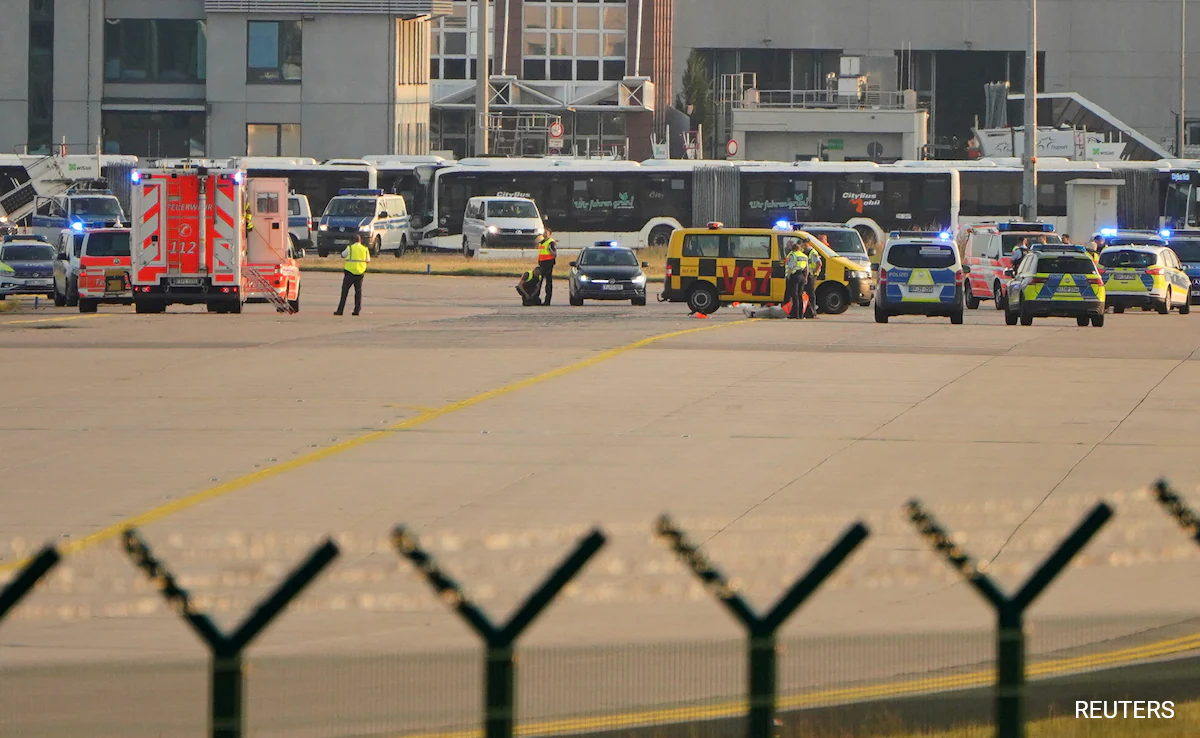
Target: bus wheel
<point>703,299</point>
<point>833,299</point>
<point>660,235</point>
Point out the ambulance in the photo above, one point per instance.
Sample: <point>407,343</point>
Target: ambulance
<point>103,269</point>
<point>211,237</point>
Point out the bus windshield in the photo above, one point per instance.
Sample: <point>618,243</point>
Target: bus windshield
<point>363,207</point>
<point>107,244</point>
<point>101,207</point>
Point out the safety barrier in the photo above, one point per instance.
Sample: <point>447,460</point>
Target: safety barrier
<point>226,670</point>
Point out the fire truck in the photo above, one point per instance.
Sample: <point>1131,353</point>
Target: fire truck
<point>210,237</point>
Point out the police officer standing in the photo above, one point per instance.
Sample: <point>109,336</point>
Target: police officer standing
<point>356,255</point>
<point>810,284</point>
<point>796,271</point>
<point>547,254</point>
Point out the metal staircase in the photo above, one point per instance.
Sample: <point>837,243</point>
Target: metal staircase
<point>48,176</point>
<point>262,287</point>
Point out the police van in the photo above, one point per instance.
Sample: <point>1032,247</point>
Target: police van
<point>715,266</point>
<point>79,210</point>
<point>381,220</point>
<point>920,277</point>
<point>300,230</point>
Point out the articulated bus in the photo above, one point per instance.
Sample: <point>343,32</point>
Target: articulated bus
<point>396,174</point>
<point>638,205</point>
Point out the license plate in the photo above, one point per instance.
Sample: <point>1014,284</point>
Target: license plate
<point>1070,290</point>
<point>1125,276</point>
<point>40,282</point>
<point>612,287</point>
<point>185,281</point>
<point>921,288</point>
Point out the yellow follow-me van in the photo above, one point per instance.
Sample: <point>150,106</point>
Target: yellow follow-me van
<point>715,266</point>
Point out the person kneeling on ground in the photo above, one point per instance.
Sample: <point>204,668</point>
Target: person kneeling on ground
<point>529,285</point>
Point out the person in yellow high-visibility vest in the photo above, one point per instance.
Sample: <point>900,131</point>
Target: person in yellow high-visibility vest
<point>547,254</point>
<point>357,256</point>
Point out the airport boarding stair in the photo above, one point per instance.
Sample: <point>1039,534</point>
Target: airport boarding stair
<point>262,288</point>
<point>48,176</point>
<point>1073,110</point>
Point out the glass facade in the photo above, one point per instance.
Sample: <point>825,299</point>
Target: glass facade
<point>142,50</point>
<point>573,40</point>
<point>41,76</point>
<point>454,41</point>
<point>152,133</point>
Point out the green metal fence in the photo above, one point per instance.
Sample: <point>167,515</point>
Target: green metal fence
<point>764,685</point>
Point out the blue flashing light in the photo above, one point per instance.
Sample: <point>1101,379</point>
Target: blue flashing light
<point>136,176</point>
<point>352,191</point>
<point>77,227</point>
<point>1108,231</point>
<point>945,236</point>
<point>783,225</point>
<point>614,244</point>
<point>238,177</point>
<point>1165,233</point>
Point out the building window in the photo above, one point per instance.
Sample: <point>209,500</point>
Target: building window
<point>138,50</point>
<point>153,134</point>
<point>573,40</point>
<point>273,139</point>
<point>40,108</point>
<point>455,39</point>
<point>273,51</point>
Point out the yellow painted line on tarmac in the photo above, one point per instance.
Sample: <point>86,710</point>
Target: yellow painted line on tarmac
<point>736,708</point>
<point>234,485</point>
<point>55,320</point>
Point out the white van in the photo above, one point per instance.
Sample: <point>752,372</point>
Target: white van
<point>381,220</point>
<point>300,223</point>
<point>501,223</point>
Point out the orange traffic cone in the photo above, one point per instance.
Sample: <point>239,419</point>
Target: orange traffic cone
<point>701,316</point>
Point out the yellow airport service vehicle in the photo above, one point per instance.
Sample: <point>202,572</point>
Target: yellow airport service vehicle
<point>715,266</point>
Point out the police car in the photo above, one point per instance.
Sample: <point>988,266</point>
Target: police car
<point>1149,276</point>
<point>1061,283</point>
<point>1187,247</point>
<point>381,220</point>
<point>920,277</point>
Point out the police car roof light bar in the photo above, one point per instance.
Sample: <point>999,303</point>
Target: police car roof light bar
<point>352,191</point>
<point>1031,227</point>
<point>714,224</point>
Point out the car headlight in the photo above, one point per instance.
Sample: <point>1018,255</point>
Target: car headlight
<point>323,227</point>
<point>493,229</point>
<point>539,231</point>
<point>584,278</point>
<point>640,279</point>
<point>858,275</point>
<point>364,229</point>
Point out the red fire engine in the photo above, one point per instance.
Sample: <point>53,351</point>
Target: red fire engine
<point>205,237</point>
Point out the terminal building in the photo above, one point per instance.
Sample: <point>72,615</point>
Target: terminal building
<point>330,79</point>
<point>791,78</point>
<point>336,78</point>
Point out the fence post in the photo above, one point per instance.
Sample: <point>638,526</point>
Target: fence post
<point>1175,506</point>
<point>1010,611</point>
<point>226,717</point>
<point>761,646</point>
<point>500,678</point>
<point>25,580</point>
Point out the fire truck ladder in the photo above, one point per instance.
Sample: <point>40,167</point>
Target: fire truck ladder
<point>262,285</point>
